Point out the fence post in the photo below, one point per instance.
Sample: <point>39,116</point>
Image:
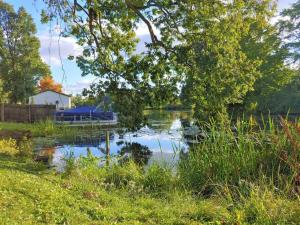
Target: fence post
<point>29,113</point>
<point>2,112</point>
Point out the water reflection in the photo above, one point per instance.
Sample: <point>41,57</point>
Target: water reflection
<point>140,154</point>
<point>161,140</point>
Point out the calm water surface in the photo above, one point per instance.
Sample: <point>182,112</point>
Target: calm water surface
<point>163,137</point>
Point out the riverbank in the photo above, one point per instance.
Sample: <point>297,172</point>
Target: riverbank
<point>246,177</point>
<point>31,194</point>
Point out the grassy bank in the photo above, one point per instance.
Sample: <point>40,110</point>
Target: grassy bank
<point>242,177</point>
<point>30,194</point>
<point>48,134</point>
<point>39,129</point>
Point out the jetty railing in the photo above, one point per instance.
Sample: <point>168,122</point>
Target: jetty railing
<point>85,120</point>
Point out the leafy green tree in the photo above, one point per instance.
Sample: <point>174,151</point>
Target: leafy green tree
<point>20,63</point>
<point>264,43</point>
<point>195,44</point>
<point>78,100</point>
<point>290,27</point>
<point>276,72</point>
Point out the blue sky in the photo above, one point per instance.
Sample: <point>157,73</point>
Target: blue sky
<point>55,55</point>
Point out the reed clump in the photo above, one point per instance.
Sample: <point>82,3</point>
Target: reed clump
<point>249,152</point>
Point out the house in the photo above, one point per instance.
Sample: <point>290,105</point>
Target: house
<point>49,97</point>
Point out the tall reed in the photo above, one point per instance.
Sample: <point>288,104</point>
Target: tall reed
<point>228,156</point>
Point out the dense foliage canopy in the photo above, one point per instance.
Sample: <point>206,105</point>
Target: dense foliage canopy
<point>214,53</point>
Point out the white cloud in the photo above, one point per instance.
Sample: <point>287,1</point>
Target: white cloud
<point>78,86</point>
<point>143,34</point>
<point>142,30</point>
<point>55,49</point>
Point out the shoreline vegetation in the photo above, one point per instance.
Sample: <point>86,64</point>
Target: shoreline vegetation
<point>171,107</point>
<point>219,61</point>
<point>247,176</point>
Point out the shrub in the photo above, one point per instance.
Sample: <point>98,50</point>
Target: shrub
<point>12,148</point>
<point>70,164</point>
<point>9,147</point>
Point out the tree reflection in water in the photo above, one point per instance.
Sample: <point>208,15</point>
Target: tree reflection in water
<point>140,154</point>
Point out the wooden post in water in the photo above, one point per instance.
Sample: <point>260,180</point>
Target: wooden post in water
<point>107,145</point>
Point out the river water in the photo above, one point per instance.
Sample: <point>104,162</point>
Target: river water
<point>161,141</point>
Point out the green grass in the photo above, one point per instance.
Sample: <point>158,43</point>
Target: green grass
<point>16,126</point>
<point>39,129</point>
<point>229,178</point>
<point>47,133</point>
<point>31,194</point>
<point>228,157</point>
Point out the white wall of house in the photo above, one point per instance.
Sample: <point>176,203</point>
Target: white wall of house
<point>51,98</point>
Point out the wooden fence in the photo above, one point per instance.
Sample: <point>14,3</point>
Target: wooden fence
<point>26,113</point>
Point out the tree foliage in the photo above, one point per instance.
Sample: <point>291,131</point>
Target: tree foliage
<point>20,63</point>
<point>47,83</point>
<point>3,94</point>
<point>275,71</point>
<point>206,47</point>
<point>290,27</point>
<point>79,100</point>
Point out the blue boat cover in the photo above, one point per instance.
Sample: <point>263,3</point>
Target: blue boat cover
<point>84,113</point>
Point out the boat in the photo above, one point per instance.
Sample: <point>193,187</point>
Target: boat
<point>86,115</point>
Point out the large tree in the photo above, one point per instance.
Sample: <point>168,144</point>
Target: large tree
<point>196,44</point>
<point>20,63</point>
<point>265,44</point>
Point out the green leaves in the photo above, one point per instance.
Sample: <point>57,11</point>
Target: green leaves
<point>208,48</point>
<point>20,63</point>
<point>220,72</point>
<point>289,26</point>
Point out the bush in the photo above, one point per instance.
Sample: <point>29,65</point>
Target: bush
<point>70,164</point>
<point>9,147</point>
<point>12,148</point>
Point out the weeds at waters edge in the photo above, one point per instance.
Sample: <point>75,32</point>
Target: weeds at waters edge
<point>254,190</point>
<point>262,203</point>
<point>227,158</point>
<point>42,129</point>
<point>156,179</point>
